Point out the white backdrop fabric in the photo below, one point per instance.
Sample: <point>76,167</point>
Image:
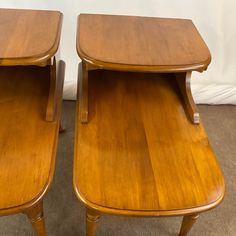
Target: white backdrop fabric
<point>215,19</point>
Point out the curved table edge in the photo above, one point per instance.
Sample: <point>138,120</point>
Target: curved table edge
<point>200,67</point>
<point>147,213</point>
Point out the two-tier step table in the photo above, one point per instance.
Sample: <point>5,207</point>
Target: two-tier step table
<point>31,82</point>
<point>140,146</point>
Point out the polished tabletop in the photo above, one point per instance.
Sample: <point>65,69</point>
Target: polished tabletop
<point>27,142</point>
<point>28,36</point>
<point>139,154</point>
<point>147,43</point>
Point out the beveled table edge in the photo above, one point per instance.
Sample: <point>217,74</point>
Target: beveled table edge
<point>39,59</point>
<point>147,213</point>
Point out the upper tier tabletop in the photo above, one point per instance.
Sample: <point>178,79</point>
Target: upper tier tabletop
<point>141,43</point>
<point>28,36</point>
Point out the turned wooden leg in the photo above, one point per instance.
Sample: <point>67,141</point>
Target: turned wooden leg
<point>35,215</point>
<point>92,218</point>
<point>187,224</point>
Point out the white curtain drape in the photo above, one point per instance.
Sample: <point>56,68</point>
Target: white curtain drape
<point>215,19</point>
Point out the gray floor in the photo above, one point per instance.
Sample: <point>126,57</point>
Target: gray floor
<point>65,215</point>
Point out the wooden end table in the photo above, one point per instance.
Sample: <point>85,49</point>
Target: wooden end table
<point>31,84</point>
<point>140,149</point>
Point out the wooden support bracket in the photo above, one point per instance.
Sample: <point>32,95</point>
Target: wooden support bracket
<point>183,80</point>
<point>57,73</point>
<point>83,92</point>
<point>82,96</point>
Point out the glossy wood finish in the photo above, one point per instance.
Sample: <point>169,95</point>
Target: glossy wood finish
<point>31,37</point>
<point>183,79</point>
<point>139,144</point>
<point>137,151</point>
<point>141,43</point>
<point>28,94</point>
<point>27,142</point>
<point>28,36</point>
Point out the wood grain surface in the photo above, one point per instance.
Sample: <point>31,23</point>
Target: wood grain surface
<point>28,36</point>
<point>27,142</point>
<point>141,43</point>
<point>139,154</point>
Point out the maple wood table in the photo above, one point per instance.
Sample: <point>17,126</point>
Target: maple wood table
<point>31,82</point>
<point>140,149</point>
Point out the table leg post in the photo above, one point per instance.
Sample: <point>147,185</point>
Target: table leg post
<point>35,215</point>
<point>92,219</point>
<point>187,224</point>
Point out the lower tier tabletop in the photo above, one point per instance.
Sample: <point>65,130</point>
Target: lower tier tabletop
<point>139,154</point>
<point>27,142</point>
